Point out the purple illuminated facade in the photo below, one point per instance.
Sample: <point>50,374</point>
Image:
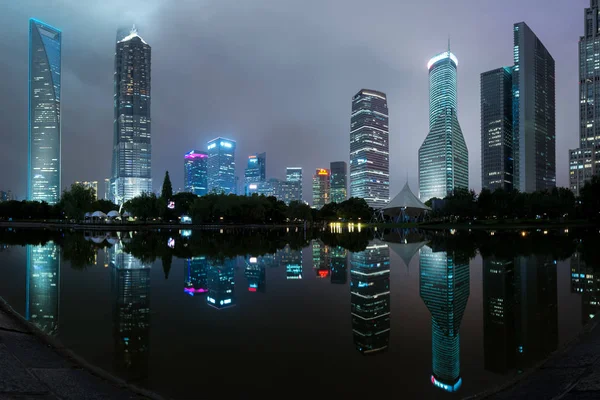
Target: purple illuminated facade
<point>195,172</point>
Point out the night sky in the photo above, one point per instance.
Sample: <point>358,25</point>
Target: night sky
<point>275,75</point>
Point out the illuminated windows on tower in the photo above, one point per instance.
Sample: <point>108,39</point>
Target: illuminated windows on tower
<point>195,172</point>
<point>221,166</point>
<point>321,188</point>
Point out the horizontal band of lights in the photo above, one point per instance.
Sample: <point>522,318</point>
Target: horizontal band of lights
<point>447,388</point>
<point>442,56</point>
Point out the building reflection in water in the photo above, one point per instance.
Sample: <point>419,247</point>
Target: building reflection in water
<point>221,283</point>
<point>292,260</point>
<point>444,288</point>
<point>196,276</point>
<point>131,313</point>
<point>255,273</point>
<point>43,287</point>
<point>370,297</point>
<point>339,265</point>
<point>321,258</point>
<point>585,282</point>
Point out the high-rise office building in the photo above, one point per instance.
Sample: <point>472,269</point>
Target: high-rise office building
<point>444,288</point>
<point>292,261</point>
<point>534,115</point>
<point>196,279</point>
<point>321,255</point>
<point>221,283</point>
<point>497,129</point>
<point>256,275</point>
<point>339,265</point>
<point>89,185</point>
<point>221,166</point>
<point>43,287</point>
<point>44,133</point>
<point>370,148</point>
<point>256,171</point>
<point>132,145</point>
<point>584,161</point>
<point>107,189</point>
<point>293,187</point>
<point>195,178</point>
<point>370,297</point>
<point>443,156</point>
<point>321,188</point>
<point>339,181</point>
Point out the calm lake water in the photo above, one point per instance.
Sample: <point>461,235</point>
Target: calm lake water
<point>240,314</point>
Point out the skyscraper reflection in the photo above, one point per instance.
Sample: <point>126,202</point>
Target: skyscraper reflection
<point>43,287</point>
<point>444,288</point>
<point>196,275</point>
<point>339,268</point>
<point>292,260</point>
<point>131,313</point>
<point>255,274</point>
<point>370,297</point>
<point>221,283</point>
<point>587,283</point>
<point>321,258</point>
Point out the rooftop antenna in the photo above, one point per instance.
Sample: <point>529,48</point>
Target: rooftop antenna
<point>134,30</point>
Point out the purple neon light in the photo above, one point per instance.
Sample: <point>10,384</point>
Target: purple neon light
<point>192,155</point>
<point>192,290</point>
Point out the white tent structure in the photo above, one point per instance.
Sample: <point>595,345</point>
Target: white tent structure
<point>113,215</point>
<point>405,205</point>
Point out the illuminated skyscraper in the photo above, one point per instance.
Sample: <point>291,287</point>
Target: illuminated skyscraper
<point>496,129</point>
<point>196,278</point>
<point>293,185</point>
<point>370,148</point>
<point>584,162</point>
<point>44,136</point>
<point>339,265</point>
<point>534,112</point>
<point>43,287</point>
<point>131,313</point>
<point>256,275</point>
<point>221,166</point>
<point>321,188</point>
<point>196,173</point>
<point>256,171</point>
<point>321,255</point>
<point>221,283</point>
<point>132,146</point>
<point>443,156</point>
<point>444,288</point>
<point>292,261</point>
<point>339,181</point>
<point>370,297</point>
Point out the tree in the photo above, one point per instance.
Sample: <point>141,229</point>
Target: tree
<point>167,188</point>
<point>167,260</point>
<point>143,207</point>
<point>77,201</point>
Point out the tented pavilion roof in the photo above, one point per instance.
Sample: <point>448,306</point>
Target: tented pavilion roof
<point>405,200</point>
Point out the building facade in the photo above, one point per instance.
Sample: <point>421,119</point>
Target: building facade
<point>534,115</point>
<point>44,127</point>
<point>221,166</point>
<point>293,178</point>
<point>584,161</point>
<point>43,287</point>
<point>321,188</point>
<point>195,178</point>
<point>443,156</point>
<point>497,129</point>
<point>370,148</point>
<point>256,171</point>
<point>339,181</point>
<point>132,145</point>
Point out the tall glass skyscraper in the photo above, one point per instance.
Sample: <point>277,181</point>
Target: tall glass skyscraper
<point>534,113</point>
<point>444,288</point>
<point>256,171</point>
<point>497,129</point>
<point>43,287</point>
<point>321,188</point>
<point>370,148</point>
<point>44,133</point>
<point>196,173</point>
<point>221,283</point>
<point>132,147</point>
<point>196,275</point>
<point>293,184</point>
<point>443,156</point>
<point>339,181</point>
<point>221,166</point>
<point>584,162</point>
<point>370,297</point>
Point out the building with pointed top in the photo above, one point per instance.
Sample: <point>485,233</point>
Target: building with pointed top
<point>132,145</point>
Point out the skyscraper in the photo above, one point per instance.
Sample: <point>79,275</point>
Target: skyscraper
<point>294,184</point>
<point>221,166</point>
<point>44,133</point>
<point>584,162</point>
<point>339,181</point>
<point>497,129</point>
<point>196,269</point>
<point>370,297</point>
<point>370,148</point>
<point>443,156</point>
<point>132,146</point>
<point>444,288</point>
<point>321,188</point>
<point>221,283</point>
<point>196,173</point>
<point>43,287</point>
<point>534,113</point>
<point>256,171</point>
<point>339,265</point>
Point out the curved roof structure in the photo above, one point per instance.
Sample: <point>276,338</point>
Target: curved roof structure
<point>405,199</point>
<point>113,214</point>
<point>98,214</point>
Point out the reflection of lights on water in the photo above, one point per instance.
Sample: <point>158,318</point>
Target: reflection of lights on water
<point>452,231</point>
<point>545,232</point>
<point>221,230</point>
<point>492,233</point>
<point>523,233</point>
<point>567,230</point>
<point>253,260</point>
<point>171,243</point>
<point>186,233</point>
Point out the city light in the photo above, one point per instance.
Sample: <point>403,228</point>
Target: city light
<point>442,56</point>
<point>212,146</point>
<point>323,171</point>
<point>226,144</point>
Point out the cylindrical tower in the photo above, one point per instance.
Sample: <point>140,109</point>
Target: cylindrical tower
<point>442,84</point>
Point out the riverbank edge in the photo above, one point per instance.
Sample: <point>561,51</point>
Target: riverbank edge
<point>590,329</point>
<point>60,349</point>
